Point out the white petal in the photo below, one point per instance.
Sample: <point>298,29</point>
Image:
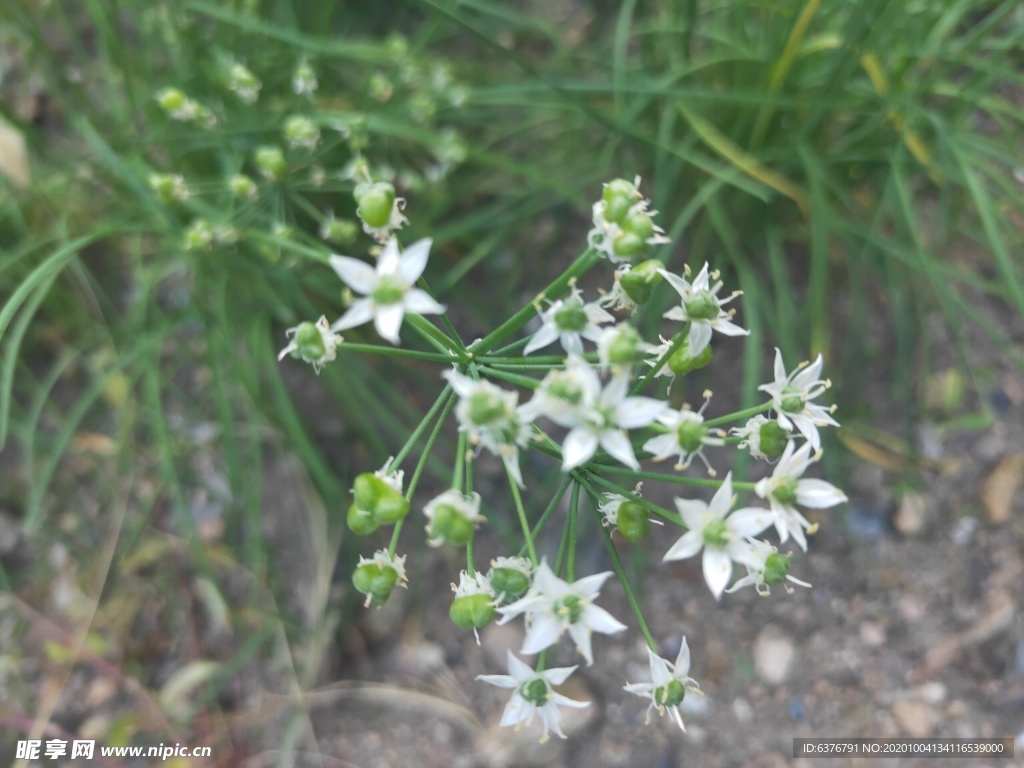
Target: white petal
<point>544,633</point>
<point>360,312</point>
<point>618,445</point>
<point>571,343</point>
<point>717,570</point>
<point>722,500</point>
<point>389,261</point>
<point>700,337</point>
<point>798,535</point>
<point>701,282</point>
<point>420,303</point>
<point>547,334</point>
<point>749,521</point>
<point>580,635</point>
<point>414,260</point>
<point>518,669</point>
<point>589,586</point>
<point>808,377</point>
<point>388,321</point>
<point>558,675</point>
<point>729,328</point>
<point>599,620</point>
<point>683,660</point>
<point>516,711</point>
<point>358,275</point>
<point>615,391</point>
<point>818,494</point>
<point>565,701</point>
<point>580,445</point>
<point>661,671</point>
<point>692,512</point>
<point>682,287</point>
<point>502,681</point>
<point>662,446</point>
<point>676,313</point>
<point>689,544</point>
<point>808,429</point>
<point>636,412</point>
<point>780,368</point>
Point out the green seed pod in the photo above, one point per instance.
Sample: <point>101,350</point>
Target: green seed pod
<point>703,306</point>
<point>450,525</point>
<point>639,224</point>
<point>716,533</point>
<point>681,362</point>
<point>171,100</point>
<point>309,342</point>
<point>375,581</point>
<point>628,245</point>
<point>472,611</point>
<point>633,521</point>
<point>271,162</point>
<point>486,407</point>
<point>773,439</point>
<point>671,694</point>
<point>626,347</point>
<point>360,521</point>
<point>384,502</point>
<point>376,202</point>
<point>639,282</point>
<point>509,581</point>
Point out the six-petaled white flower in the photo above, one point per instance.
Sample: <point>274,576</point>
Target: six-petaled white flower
<point>534,695</point>
<point>686,436</point>
<point>488,415</point>
<point>702,308</point>
<point>602,417</point>
<point>569,321</point>
<point>791,395</point>
<point>784,490</point>
<point>554,606</point>
<point>388,290</point>
<point>723,539</point>
<point>669,684</point>
<point>767,567</point>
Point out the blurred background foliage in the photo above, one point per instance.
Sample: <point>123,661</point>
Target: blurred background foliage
<point>853,167</point>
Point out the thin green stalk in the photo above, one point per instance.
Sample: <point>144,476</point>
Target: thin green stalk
<point>620,572</point>
<point>738,415</point>
<point>511,378</point>
<point>574,505</point>
<point>586,260</point>
<point>739,485</point>
<point>548,511</point>
<point>375,349</point>
<point>421,464</point>
<point>446,396</point>
<point>433,335</point>
<point>522,515</point>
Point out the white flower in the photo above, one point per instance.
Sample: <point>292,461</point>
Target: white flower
<point>602,418</point>
<point>569,321</point>
<point>244,83</point>
<point>687,436</point>
<point>791,394</point>
<point>560,395</point>
<point>554,606</point>
<point>766,568</point>
<point>620,345</point>
<point>669,684</point>
<point>388,289</point>
<point>702,308</point>
<point>312,342</point>
<point>784,490</point>
<point>655,354</point>
<point>617,298</point>
<point>751,436</point>
<point>611,504</point>
<point>723,539</point>
<point>459,515</point>
<point>534,695</point>
<point>488,415</point>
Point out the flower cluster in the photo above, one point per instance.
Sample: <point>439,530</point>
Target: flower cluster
<point>589,413</point>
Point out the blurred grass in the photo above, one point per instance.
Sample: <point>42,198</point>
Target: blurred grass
<point>840,159</point>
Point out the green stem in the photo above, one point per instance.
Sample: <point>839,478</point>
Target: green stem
<point>512,378</point>
<point>446,395</point>
<point>586,260</point>
<point>548,511</point>
<point>574,505</point>
<point>460,459</point>
<point>420,465</point>
<point>522,515</point>
<point>374,349</point>
<point>620,572</point>
<point>433,335</point>
<point>452,333</point>
<point>744,414</point>
<point>739,485</point>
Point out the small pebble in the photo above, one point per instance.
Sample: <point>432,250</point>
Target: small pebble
<point>774,653</point>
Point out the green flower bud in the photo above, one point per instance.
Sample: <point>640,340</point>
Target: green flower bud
<point>375,581</point>
<point>376,202</point>
<point>300,131</point>
<point>199,236</point>
<point>381,88</point>
<point>618,196</point>
<point>681,362</point>
<point>671,694</point>
<point>486,407</point>
<point>571,317</point>
<point>271,162</point>
<point>626,347</point>
<point>773,439</point>
<point>511,582</point>
<point>785,493</point>
<point>309,342</point>
<point>472,611</point>
<point>639,282</point>
<point>793,403</point>
<point>243,187</point>
<point>536,691</point>
<point>360,521</point>
<point>776,568</point>
<point>172,101</point>
<point>633,521</point>
<point>691,435</point>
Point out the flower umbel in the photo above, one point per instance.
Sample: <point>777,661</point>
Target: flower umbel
<point>669,684</point>
<point>388,289</point>
<point>534,695</point>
